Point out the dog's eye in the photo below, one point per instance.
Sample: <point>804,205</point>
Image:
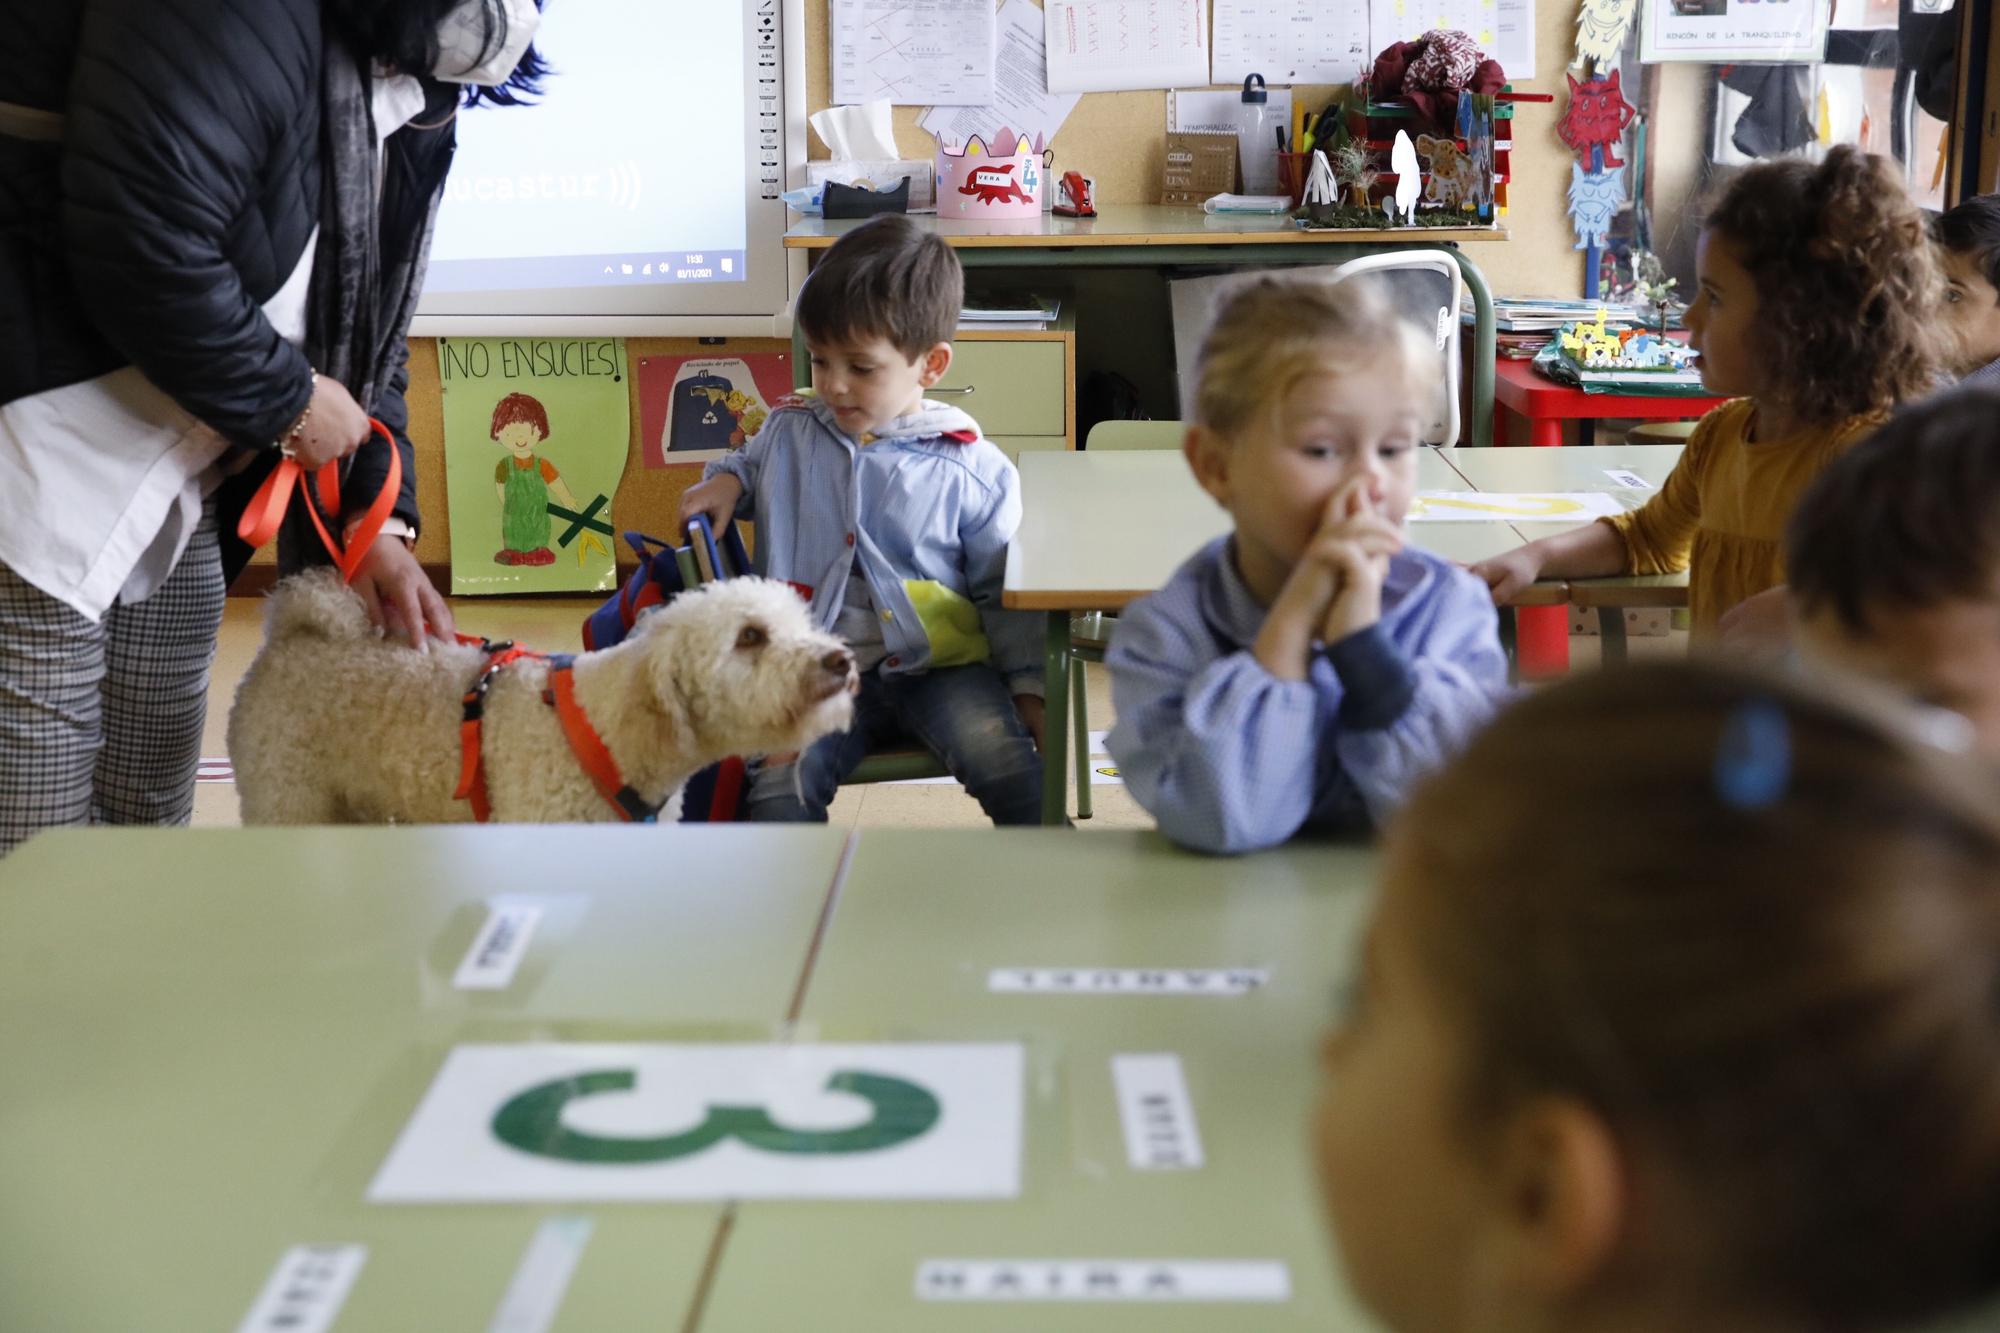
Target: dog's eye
<point>753,636</point>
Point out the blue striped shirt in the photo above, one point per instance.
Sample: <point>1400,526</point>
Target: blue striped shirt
<point>923,513</point>
<point>1228,758</point>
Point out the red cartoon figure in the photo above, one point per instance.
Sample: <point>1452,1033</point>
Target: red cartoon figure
<point>995,185</point>
<point>1597,116</point>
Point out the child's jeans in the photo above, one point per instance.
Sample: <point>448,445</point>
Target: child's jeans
<point>963,715</point>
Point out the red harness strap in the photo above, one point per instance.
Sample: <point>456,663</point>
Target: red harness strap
<point>584,742</point>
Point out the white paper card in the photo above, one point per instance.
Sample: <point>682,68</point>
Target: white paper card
<point>1498,507</point>
<point>1098,46</point>
<point>1504,29</point>
<point>1021,101</point>
<point>1631,481</point>
<point>912,52</point>
<point>1772,32</point>
<point>1102,1280</point>
<point>1290,41</point>
<point>306,1290</point>
<point>536,1292</point>
<point>1155,1112</point>
<point>603,1121</point>
<point>499,947</point>
<point>1127,980</point>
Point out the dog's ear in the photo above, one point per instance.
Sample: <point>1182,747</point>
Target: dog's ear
<point>664,692</point>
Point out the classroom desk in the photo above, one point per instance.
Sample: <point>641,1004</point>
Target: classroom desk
<point>921,920</point>
<point>211,1038</point>
<point>1546,404</point>
<point>1583,469</point>
<point>1160,236</point>
<point>1101,529</point>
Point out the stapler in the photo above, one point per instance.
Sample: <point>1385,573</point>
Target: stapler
<point>1073,196</point>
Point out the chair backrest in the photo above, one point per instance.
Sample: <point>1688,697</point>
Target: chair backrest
<point>1426,286</point>
<point>1135,435</point>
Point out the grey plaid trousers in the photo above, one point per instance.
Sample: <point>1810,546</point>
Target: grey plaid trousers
<point>102,723</point>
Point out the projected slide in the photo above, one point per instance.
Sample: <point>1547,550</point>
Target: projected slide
<point>632,170</point>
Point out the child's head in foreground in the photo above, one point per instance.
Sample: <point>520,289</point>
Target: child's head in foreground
<point>878,313</point>
<point>1732,1062</point>
<point>1819,292</point>
<point>1307,392</point>
<point>1970,237</point>
<point>1894,558</point>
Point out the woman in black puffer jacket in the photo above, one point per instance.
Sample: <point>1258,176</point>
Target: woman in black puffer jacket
<point>213,222</point>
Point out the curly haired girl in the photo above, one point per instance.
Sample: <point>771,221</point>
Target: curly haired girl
<point>1819,307</point>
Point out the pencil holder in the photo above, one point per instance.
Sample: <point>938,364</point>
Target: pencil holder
<point>1292,169</point>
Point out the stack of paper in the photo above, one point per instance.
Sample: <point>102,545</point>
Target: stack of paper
<point>1007,306</point>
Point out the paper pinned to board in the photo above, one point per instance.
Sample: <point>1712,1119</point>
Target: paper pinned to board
<point>1290,41</point>
<point>913,52</point>
<point>1504,29</point>
<point>1100,46</point>
<point>1021,96</point>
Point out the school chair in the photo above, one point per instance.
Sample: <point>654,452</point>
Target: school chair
<point>1090,633</point>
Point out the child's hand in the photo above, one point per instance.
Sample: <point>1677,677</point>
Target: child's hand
<point>1353,545</point>
<point>1508,575</point>
<point>715,498</point>
<point>1029,706</point>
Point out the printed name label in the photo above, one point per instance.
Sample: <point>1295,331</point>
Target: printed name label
<point>1629,480</point>
<point>1102,1280</point>
<point>498,949</point>
<point>1158,1117</point>
<point>1127,980</point>
<point>536,1292</point>
<point>306,1290</point>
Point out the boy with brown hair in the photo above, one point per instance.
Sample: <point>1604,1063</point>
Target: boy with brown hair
<point>891,516</point>
<point>1894,555</point>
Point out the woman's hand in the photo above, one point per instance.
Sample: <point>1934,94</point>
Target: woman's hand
<point>334,427</point>
<point>400,600</point>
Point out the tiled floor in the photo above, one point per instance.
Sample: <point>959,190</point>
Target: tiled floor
<point>553,624</point>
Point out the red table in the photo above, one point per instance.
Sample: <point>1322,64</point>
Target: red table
<point>1518,386</point>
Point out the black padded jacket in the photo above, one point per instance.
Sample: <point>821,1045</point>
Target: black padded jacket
<point>180,196</point>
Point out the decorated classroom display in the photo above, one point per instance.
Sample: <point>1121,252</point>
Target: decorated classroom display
<point>1594,346</point>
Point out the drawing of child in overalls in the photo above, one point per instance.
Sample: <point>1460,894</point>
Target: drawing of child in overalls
<point>525,482</point>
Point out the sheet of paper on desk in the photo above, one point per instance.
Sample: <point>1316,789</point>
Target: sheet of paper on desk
<point>1504,29</point>
<point>1021,101</point>
<point>1290,41</point>
<point>1102,46</point>
<point>1498,507</point>
<point>913,51</point>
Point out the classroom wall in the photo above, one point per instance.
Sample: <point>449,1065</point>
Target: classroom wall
<point>1120,139</point>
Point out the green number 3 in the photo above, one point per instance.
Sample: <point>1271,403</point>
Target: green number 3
<point>533,1123</point>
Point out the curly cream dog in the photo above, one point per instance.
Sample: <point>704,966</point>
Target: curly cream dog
<point>333,724</point>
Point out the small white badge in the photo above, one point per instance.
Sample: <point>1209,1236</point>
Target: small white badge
<point>1127,980</point>
<point>306,1290</point>
<point>1102,1280</point>
<point>1631,481</point>
<point>498,949</point>
<point>1158,1117</point>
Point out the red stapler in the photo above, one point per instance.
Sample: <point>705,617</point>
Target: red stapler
<point>1073,196</point>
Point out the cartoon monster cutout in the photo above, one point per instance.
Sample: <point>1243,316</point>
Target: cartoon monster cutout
<point>1597,116</point>
<point>1594,197</point>
<point>1601,27</point>
<point>994,185</point>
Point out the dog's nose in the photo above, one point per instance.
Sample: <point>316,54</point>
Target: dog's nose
<point>838,662</point>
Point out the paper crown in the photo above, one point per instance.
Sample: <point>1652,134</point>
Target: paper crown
<point>978,147</point>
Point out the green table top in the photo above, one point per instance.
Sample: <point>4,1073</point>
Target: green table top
<point>1100,529</point>
<point>213,1037</point>
<point>921,922</point>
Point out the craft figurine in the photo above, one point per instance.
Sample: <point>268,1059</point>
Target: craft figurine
<point>1322,191</point>
<point>1601,27</point>
<point>1594,198</point>
<point>1454,180</point>
<point>1409,178</point>
<point>1596,120</point>
<point>1354,170</point>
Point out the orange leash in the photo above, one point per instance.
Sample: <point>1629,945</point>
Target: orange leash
<point>261,520</point>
